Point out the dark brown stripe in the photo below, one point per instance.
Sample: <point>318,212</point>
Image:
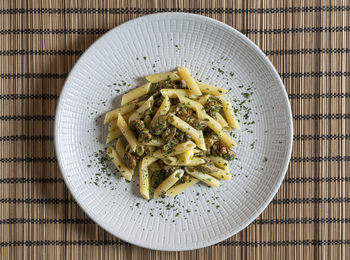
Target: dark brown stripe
<point>329,8</point>
<point>291,96</point>
<point>224,243</point>
<point>13,138</point>
<point>283,75</point>
<point>244,31</point>
<point>267,52</point>
<point>287,243</point>
<point>84,221</point>
<point>274,201</point>
<point>286,180</point>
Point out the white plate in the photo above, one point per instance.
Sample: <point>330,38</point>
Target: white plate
<point>215,53</point>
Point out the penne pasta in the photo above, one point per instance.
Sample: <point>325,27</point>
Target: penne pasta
<point>162,110</point>
<point>113,123</point>
<point>156,141</point>
<point>221,120</point>
<point>120,148</point>
<point>226,139</point>
<point>129,136</point>
<point>170,76</point>
<point>176,189</point>
<point>174,93</point>
<point>113,134</point>
<point>168,183</point>
<point>203,99</point>
<point>186,156</point>
<point>190,82</point>
<point>221,174</point>
<point>135,93</point>
<point>144,175</point>
<point>180,148</point>
<point>196,135</point>
<point>113,114</point>
<point>217,128</point>
<point>141,110</point>
<point>212,90</point>
<point>203,177</point>
<point>173,161</point>
<point>191,103</point>
<point>118,162</point>
<point>229,113</point>
<point>219,162</point>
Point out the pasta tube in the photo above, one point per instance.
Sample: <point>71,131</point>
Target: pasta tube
<point>206,178</point>
<point>186,156</point>
<point>212,90</point>
<point>221,174</point>
<point>113,134</point>
<point>229,113</point>
<point>219,162</point>
<point>120,148</point>
<point>180,148</point>
<point>222,122</point>
<point>144,175</point>
<point>141,110</point>
<point>196,135</point>
<point>118,162</point>
<point>190,82</point>
<point>176,189</point>
<point>168,183</point>
<point>171,76</point>
<point>135,93</point>
<point>129,136</point>
<point>173,161</point>
<point>113,114</point>
<point>162,110</point>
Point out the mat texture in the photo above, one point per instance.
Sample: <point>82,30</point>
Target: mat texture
<point>308,42</point>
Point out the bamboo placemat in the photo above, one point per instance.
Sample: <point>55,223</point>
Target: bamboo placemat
<point>307,41</point>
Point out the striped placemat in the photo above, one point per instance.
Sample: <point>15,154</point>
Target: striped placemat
<point>307,41</point>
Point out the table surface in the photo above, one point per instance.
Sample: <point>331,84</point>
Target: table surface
<point>40,41</point>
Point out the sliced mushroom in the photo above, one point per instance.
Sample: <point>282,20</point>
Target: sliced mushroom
<point>130,160</point>
<point>221,149</point>
<point>169,134</point>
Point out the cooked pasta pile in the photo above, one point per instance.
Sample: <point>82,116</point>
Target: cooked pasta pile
<point>173,131</point>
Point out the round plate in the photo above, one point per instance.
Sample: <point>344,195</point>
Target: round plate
<point>216,54</point>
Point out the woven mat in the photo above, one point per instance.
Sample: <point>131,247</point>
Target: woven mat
<point>309,44</point>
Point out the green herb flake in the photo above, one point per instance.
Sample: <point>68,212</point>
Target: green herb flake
<point>265,159</point>
<point>245,95</point>
<point>252,145</point>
